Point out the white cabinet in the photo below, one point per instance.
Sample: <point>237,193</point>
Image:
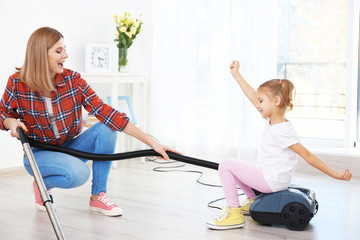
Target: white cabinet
<point>114,85</point>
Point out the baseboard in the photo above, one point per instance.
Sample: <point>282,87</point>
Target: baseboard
<point>21,170</point>
<point>12,171</point>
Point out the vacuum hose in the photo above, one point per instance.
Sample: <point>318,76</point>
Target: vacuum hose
<point>116,156</point>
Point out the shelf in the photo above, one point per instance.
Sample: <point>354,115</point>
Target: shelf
<point>136,89</point>
<point>119,77</point>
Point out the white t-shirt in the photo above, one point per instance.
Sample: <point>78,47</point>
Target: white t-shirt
<point>51,115</point>
<point>276,160</point>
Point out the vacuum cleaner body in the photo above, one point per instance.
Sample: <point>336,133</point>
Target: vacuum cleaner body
<point>294,208</point>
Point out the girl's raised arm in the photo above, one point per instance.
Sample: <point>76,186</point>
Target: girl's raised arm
<point>245,87</point>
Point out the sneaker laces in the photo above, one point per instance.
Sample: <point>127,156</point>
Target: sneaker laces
<point>105,200</point>
<point>225,211</point>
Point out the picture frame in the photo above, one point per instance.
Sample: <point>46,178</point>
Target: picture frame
<point>97,57</point>
<point>125,106</point>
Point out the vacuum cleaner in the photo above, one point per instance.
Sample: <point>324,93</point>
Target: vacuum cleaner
<point>293,207</point>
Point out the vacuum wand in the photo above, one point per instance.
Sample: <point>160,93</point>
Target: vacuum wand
<point>125,155</point>
<point>40,185</point>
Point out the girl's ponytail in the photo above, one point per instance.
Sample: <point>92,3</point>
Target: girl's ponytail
<point>287,89</point>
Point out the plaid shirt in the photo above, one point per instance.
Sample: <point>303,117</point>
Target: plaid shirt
<point>72,92</point>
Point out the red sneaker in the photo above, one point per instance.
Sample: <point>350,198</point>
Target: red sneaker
<point>103,205</point>
<point>38,202</point>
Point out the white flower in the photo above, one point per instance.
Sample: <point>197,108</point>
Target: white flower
<point>129,34</point>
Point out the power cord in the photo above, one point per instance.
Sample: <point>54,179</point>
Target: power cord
<point>171,169</point>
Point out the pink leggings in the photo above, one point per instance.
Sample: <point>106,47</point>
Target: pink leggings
<point>246,175</point>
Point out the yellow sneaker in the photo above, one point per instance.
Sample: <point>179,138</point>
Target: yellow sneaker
<point>230,218</point>
<point>246,205</point>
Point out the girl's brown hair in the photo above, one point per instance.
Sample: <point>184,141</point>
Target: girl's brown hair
<point>280,87</point>
<point>35,71</point>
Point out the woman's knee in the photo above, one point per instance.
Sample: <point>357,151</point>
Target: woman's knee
<point>60,170</point>
<point>70,177</point>
<point>103,130</point>
<point>79,176</point>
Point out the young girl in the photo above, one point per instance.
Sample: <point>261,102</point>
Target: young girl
<point>277,153</point>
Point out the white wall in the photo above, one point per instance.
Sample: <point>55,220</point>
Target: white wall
<point>80,22</point>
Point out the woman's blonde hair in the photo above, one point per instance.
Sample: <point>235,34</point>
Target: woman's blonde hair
<point>280,87</point>
<point>35,71</point>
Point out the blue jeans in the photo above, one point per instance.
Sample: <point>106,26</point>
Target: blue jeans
<point>64,171</point>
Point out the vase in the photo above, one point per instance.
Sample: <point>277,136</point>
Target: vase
<point>122,63</point>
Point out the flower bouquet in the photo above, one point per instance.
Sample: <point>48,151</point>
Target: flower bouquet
<point>127,28</point>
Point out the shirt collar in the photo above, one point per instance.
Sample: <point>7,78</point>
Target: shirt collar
<point>59,80</point>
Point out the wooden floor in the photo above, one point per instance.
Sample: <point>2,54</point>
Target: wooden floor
<point>167,206</point>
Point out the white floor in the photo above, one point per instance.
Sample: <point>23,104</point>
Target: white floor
<point>167,206</point>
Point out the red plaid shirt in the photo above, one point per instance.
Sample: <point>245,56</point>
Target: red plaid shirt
<point>72,92</point>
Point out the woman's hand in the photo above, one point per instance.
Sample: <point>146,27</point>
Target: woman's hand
<point>134,131</point>
<point>343,175</point>
<point>234,67</point>
<point>159,148</point>
<point>13,124</point>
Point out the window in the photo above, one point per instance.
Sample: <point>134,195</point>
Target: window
<point>312,53</point>
<point>306,41</point>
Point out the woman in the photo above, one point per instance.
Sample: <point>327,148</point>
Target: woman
<point>48,100</point>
